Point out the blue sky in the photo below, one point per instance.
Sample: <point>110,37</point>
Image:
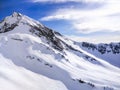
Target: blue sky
<point>82,20</point>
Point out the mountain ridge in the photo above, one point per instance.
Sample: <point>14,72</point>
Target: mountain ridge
<point>109,52</point>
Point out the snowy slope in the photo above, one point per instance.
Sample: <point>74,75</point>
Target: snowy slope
<point>13,77</point>
<point>39,55</point>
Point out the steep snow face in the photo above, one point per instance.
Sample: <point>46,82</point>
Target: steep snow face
<point>13,77</point>
<point>109,52</point>
<point>45,56</point>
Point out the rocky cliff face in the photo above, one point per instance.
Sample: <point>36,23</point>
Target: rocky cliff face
<point>103,48</point>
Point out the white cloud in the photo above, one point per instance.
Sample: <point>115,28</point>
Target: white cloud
<point>63,1</point>
<point>96,39</point>
<point>106,17</point>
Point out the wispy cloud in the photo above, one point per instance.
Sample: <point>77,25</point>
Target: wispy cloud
<point>96,39</point>
<point>63,1</point>
<point>106,17</point>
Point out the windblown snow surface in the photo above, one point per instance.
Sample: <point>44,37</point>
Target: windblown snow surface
<point>29,61</point>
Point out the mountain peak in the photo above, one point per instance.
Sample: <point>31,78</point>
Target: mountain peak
<point>17,20</point>
<point>15,14</point>
<point>18,23</point>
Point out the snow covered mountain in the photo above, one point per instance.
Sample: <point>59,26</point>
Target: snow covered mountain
<point>34,57</point>
<point>109,52</point>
